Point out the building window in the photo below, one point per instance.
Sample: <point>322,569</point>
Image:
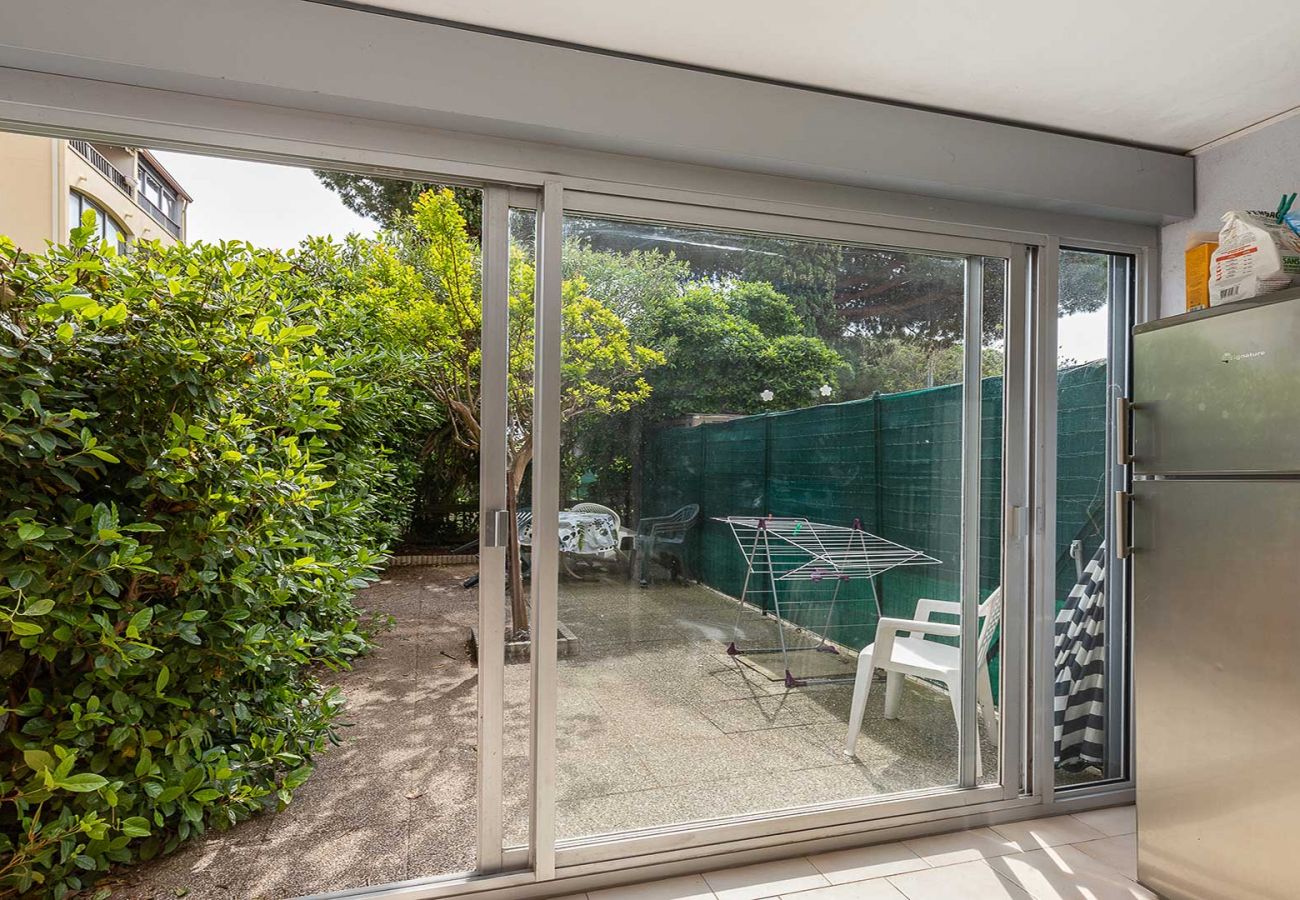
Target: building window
<point>107,227</point>
<point>159,199</point>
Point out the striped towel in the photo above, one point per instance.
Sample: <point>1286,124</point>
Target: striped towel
<point>1080,710</point>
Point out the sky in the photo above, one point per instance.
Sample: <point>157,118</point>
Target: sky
<point>267,205</point>
<point>277,206</point>
<point>1082,337</point>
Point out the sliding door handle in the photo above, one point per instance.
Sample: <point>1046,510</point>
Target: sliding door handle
<point>496,528</point>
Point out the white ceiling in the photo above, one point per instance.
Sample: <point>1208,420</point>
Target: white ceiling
<point>1168,73</point>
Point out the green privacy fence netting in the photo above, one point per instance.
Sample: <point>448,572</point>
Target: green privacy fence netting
<point>891,461</point>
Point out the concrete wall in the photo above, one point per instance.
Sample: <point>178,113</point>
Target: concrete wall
<point>29,207</point>
<point>1247,173</point>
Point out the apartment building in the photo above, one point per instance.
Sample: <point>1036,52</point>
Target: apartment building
<point>46,184</point>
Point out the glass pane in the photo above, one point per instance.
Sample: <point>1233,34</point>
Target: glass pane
<point>992,370</point>
<point>74,210</point>
<point>762,454</point>
<point>518,674</point>
<point>1091,372</point>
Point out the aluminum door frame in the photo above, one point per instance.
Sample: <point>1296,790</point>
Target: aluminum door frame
<point>553,204</point>
<point>545,541</point>
<point>539,862</point>
<point>1040,752</point>
<point>495,286</point>
<point>1118,705</point>
<point>1142,304</point>
<point>971,422</point>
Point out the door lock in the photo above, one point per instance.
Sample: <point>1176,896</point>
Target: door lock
<point>496,530</point>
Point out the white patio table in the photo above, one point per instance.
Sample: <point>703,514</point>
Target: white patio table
<point>583,533</point>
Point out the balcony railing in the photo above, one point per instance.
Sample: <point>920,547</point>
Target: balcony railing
<point>172,228</point>
<point>106,168</point>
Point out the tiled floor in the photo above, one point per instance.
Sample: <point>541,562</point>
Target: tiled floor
<point>1088,856</point>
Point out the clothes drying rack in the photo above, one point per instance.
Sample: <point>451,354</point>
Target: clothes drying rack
<point>781,550</point>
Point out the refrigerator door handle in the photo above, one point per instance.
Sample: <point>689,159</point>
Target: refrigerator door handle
<point>1123,440</point>
<point>1123,524</point>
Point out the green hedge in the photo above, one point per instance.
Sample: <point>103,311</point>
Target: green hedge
<point>196,446</point>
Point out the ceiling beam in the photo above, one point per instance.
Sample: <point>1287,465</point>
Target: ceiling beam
<point>350,62</point>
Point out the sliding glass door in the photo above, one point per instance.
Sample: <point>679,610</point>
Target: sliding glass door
<point>751,494</point>
<point>1090,714</point>
<point>776,498</point>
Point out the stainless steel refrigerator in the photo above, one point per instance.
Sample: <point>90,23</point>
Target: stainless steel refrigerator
<point>1215,561</point>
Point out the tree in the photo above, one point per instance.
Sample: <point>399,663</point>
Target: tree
<point>834,287</point>
<point>630,283</point>
<point>722,347</point>
<point>891,365</point>
<point>720,360</point>
<point>389,200</point>
<point>853,298</point>
<point>427,271</point>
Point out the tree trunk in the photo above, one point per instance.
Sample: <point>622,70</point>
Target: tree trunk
<point>518,599</point>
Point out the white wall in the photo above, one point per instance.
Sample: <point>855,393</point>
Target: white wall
<point>1250,172</point>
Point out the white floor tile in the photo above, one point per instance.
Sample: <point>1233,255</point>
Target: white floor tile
<point>961,846</point>
<point>1036,834</point>
<point>964,881</point>
<point>876,889</point>
<point>1064,873</point>
<point>1119,852</point>
<point>1060,858</point>
<point>1112,821</point>
<point>687,887</point>
<point>862,863</point>
<point>785,876</point>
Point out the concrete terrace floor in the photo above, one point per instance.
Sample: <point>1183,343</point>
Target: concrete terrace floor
<point>657,725</point>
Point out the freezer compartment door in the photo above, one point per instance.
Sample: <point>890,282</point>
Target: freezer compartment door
<point>1219,394</point>
<point>1216,666</point>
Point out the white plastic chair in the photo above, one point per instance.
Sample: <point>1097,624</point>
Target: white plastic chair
<point>588,507</point>
<point>901,649</point>
<point>663,536</point>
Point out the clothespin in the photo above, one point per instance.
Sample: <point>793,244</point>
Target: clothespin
<point>1284,207</point>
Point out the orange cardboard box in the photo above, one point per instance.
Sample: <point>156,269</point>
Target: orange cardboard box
<point>1198,274</point>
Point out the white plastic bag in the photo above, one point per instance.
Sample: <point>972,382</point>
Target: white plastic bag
<point>1256,256</point>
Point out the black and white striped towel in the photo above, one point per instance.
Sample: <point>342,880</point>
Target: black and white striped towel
<point>1081,670</point>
